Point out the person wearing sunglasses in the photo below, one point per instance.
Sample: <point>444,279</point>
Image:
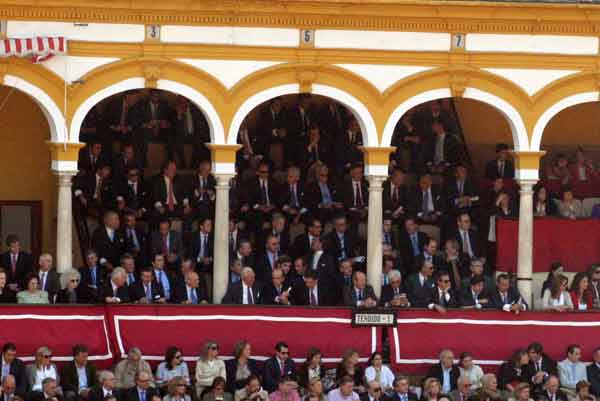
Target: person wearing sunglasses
<point>172,366</point>
<point>217,391</point>
<point>442,296</point>
<point>374,392</point>
<point>278,366</point>
<point>208,367</point>
<point>72,292</point>
<point>40,369</point>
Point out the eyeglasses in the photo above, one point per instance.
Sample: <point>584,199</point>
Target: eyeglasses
<point>74,281</point>
<point>444,281</point>
<point>213,348</point>
<point>284,352</point>
<point>597,272</point>
<point>177,356</point>
<point>47,356</point>
<point>377,390</point>
<point>263,171</point>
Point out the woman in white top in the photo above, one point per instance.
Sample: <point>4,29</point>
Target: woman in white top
<point>469,369</point>
<point>173,366</point>
<point>556,297</point>
<point>208,367</point>
<point>41,369</point>
<point>380,373</point>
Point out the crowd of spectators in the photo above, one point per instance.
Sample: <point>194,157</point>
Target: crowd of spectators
<point>529,374</point>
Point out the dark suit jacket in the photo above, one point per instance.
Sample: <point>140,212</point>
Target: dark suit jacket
<point>284,240</point>
<point>439,203</point>
<point>348,194</point>
<point>417,293</point>
<point>96,394</point>
<point>314,198</point>
<point>350,298</point>
<point>406,250</point>
<point>396,397</point>
<point>17,369</point>
<point>267,122</point>
<point>24,266</point>
<point>175,244</point>
<point>87,184</point>
<point>231,368</point>
<point>453,152</point>
<point>333,245</point>
<point>133,200</point>
<point>301,246</point>
<point>476,247</point>
<point>133,395</point>
<point>86,277</point>
<point>159,191</point>
<point>491,170</point>
<point>437,372</point>
<point>83,295</point>
<point>137,291</point>
<point>300,295</point>
<point>438,261</point>
<point>69,378</point>
<point>197,197</point>
<point>84,161</point>
<point>270,293</point>
<point>194,251</point>
<point>111,251</point>
<point>254,192</point>
<point>272,372</point>
<point>325,266</point>
<point>452,192</point>
<point>513,296</point>
<point>285,196</point>
<point>122,293</point>
<point>8,296</point>
<point>389,203</point>
<point>467,299</point>
<point>52,284</point>
<point>264,268</point>
<point>593,374</point>
<point>234,294</point>
<point>387,294</point>
<point>435,299</point>
<point>39,396</point>
<point>180,294</point>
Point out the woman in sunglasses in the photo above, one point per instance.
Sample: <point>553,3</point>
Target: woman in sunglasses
<point>173,366</point>
<point>42,368</point>
<point>217,391</point>
<point>177,390</point>
<point>208,367</point>
<point>72,292</point>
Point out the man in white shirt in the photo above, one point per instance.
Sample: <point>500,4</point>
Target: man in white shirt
<point>571,370</point>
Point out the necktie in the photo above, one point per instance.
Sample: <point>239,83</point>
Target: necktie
<point>396,197</point>
<point>294,196</point>
<point>360,295</point>
<point>165,247</point>
<point>425,206</point>
<point>131,279</point>
<point>98,188</point>
<point>313,299</point>
<point>501,169</point>
<point>325,194</point>
<point>461,188</point>
<point>265,194</point>
<point>93,274</point>
<point>347,280</point>
<point>134,239</point>
<point>170,195</point>
<point>386,238</point>
<point>249,295</point>
<point>194,298</point>
<point>201,188</point>
<point>359,199</point>
<point>282,367</point>
<point>43,281</point>
<point>148,293</point>
<point>160,276</point>
<point>231,243</point>
<point>504,298</point>
<point>13,263</point>
<point>415,244</point>
<point>465,243</point>
<point>142,395</point>
<point>396,291</point>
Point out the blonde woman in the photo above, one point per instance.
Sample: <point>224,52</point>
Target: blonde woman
<point>209,367</point>
<point>176,390</point>
<point>42,368</point>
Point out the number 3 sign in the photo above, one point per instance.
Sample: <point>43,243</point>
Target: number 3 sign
<point>153,32</point>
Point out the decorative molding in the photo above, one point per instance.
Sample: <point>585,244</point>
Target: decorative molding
<point>152,75</point>
<point>306,76</point>
<point>458,80</point>
<point>410,16</point>
<point>3,70</point>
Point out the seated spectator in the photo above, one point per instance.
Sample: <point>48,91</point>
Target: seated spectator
<point>402,390</point>
<point>244,292</point>
<point>593,373</point>
<point>583,169</point>
<point>40,369</point>
<point>116,291</point>
<point>8,388</point>
<point>522,393</point>
<point>16,262</point>
<point>360,294</point>
<point>541,366</point>
<point>105,388</point>
<point>581,296</point>
<point>461,194</point>
<point>126,370</point>
<point>310,290</point>
<point>278,366</point>
<point>557,297</point>
<point>395,196</point>
<point>314,390</point>
<point>571,370</point>
<point>412,242</point>
<point>505,297</point>
<point>49,391</point>
<point>445,372</point>
<point>108,241</point>
<point>443,151</point>
<point>7,296</point>
<point>552,392</point>
<point>11,365</point>
<point>394,294</point>
<point>469,369</point>
<point>379,373</point>
<point>582,390</point>
<point>463,389</point>
<point>477,268</point>
<point>556,269</point>
<point>344,391</point>
<point>504,207</point>
<point>374,392</point>
<point>49,280</point>
<point>252,391</point>
<point>428,203</point>
<point>559,169</point>
<point>455,262</point>
<point>514,371</point>
<point>570,207</point>
<point>475,296</point>
<point>32,294</point>
<point>176,390</point>
<point>208,367</point>
<point>241,367</point>
<point>442,296</point>
<point>95,192</point>
<point>287,390</point>
<point>143,389</point>
<point>275,293</point>
<point>341,241</point>
<point>311,369</point>
<point>489,388</point>
<point>79,375</point>
<point>543,205</point>
<point>501,166</point>
<point>430,253</point>
<point>349,367</point>
<point>217,391</point>
<point>169,195</point>
<point>420,284</point>
<point>73,292</point>
<point>146,290</point>
<point>173,366</point>
<point>432,390</point>
<point>594,283</point>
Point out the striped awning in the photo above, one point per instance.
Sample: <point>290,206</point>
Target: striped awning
<point>37,48</point>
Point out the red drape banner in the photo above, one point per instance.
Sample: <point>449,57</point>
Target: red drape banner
<point>575,243</point>
<point>490,336</point>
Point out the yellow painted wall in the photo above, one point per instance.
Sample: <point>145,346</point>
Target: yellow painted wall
<point>25,159</point>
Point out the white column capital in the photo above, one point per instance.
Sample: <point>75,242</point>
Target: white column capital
<point>527,185</point>
<point>64,177</point>
<point>376,181</point>
<point>223,179</point>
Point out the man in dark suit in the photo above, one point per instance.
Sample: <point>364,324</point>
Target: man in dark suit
<point>318,149</point>
<point>136,239</point>
<point>262,196</point>
<point>278,366</point>
<point>303,242</point>
<point>419,284</point>
<point>190,126</point>
<point>593,372</point>
<point>265,263</point>
<point>443,151</point>
<point>374,392</point>
<point>412,242</point>
<point>47,276</point>
<point>442,296</point>
<point>50,391</point>
<point>427,202</point>
<point>108,241</point>
<point>271,126</point>
<point>105,387</point>
<point>89,157</point>
<point>121,116</point>
<point>291,196</point>
<point>96,191</point>
<point>133,193</point>
<point>468,239</point>
<point>461,194</point>
<point>430,254</point>
<point>343,279</point>
<point>501,166</point>
<point>274,292</point>
<point>395,293</point>
<point>142,391</point>
<point>475,296</point>
<point>332,120</point>
<point>70,379</point>
<point>115,291</point>
<point>552,391</point>
<point>541,366</point>
<point>146,290</point>
<point>16,366</point>
<point>340,242</point>
<point>321,262</point>
<point>505,297</point>
<point>169,197</point>
<point>201,248</point>
<point>166,242</point>
<point>309,291</point>
<point>16,262</point>
<point>347,150</point>
<point>280,230</point>
<point>245,292</point>
<point>191,291</point>
<point>395,196</point>
<point>446,364</point>
<point>202,190</point>
<point>402,390</point>
<point>360,294</point>
<point>92,274</point>
<point>124,162</point>
<point>355,195</point>
<point>152,122</point>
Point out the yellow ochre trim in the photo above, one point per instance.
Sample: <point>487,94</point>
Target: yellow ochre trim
<point>223,153</point>
<point>528,160</point>
<point>376,155</point>
<point>64,151</point>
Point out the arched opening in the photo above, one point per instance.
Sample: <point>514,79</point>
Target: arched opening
<point>28,193</point>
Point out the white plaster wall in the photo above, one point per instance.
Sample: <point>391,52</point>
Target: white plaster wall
<point>529,79</point>
<point>379,40</point>
<point>229,72</point>
<point>241,36</point>
<point>575,45</point>
<point>90,32</point>
<point>383,76</point>
<point>71,68</point>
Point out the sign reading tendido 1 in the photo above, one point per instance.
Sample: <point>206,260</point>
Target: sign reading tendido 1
<point>361,318</point>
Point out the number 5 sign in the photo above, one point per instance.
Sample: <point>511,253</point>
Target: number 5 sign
<point>307,37</point>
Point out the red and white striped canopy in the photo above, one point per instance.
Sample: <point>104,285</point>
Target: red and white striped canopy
<point>38,48</point>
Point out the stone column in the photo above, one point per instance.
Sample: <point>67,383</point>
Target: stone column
<point>525,241</point>
<point>221,243</point>
<point>64,222</point>
<point>374,232</point>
